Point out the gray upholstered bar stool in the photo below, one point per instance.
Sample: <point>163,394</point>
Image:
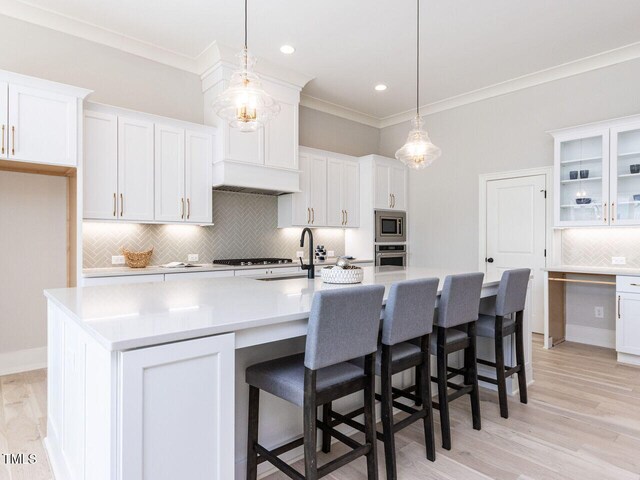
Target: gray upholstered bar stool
<point>343,325</point>
<point>408,315</point>
<point>456,331</point>
<point>503,319</point>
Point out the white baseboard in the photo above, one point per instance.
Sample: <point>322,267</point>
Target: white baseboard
<point>629,359</point>
<point>599,337</point>
<point>23,360</point>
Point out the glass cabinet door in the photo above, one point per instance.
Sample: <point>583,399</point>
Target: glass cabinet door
<point>582,167</point>
<point>625,175</point>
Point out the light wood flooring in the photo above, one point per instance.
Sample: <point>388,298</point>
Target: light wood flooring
<point>582,422</point>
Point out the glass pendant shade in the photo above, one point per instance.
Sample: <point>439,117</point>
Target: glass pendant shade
<point>418,151</point>
<point>244,104</point>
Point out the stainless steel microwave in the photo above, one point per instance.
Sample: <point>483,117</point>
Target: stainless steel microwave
<point>390,226</point>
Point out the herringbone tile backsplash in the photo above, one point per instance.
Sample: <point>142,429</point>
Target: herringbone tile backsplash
<point>245,226</point>
<point>595,246</point>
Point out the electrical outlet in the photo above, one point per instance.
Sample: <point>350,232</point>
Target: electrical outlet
<point>618,260</point>
<point>117,260</point>
<point>299,253</point>
<point>599,312</point>
<point>192,257</point>
<point>331,253</point>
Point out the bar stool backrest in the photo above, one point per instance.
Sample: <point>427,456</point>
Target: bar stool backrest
<point>460,299</point>
<point>343,325</point>
<point>512,292</point>
<point>409,310</point>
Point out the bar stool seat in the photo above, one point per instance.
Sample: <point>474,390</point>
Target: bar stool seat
<point>453,335</point>
<point>486,325</point>
<point>399,353</point>
<point>284,377</point>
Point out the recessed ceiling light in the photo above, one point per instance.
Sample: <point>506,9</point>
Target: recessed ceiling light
<point>287,49</point>
<point>381,87</point>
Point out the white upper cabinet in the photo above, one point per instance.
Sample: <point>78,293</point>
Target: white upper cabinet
<point>42,126</point>
<point>343,192</point>
<point>170,203</point>
<point>4,120</point>
<point>390,184</point>
<point>330,192</point>
<point>100,165</point>
<point>597,174</point>
<point>135,169</point>
<point>199,158</point>
<point>281,137</point>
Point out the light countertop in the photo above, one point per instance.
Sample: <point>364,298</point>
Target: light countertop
<point>201,267</point>
<point>122,317</point>
<point>612,270</point>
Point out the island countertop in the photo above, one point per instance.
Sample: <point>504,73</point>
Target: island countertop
<point>123,317</point>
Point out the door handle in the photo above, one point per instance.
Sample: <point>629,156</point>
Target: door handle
<point>13,140</point>
<point>121,204</point>
<point>489,260</point>
<point>114,205</point>
<point>188,208</point>
<point>618,306</point>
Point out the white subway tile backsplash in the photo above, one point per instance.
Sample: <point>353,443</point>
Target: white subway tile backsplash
<point>245,226</point>
<point>597,246</point>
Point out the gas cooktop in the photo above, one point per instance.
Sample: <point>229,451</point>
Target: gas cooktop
<point>252,261</point>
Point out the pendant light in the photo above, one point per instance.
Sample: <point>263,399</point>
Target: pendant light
<point>418,152</point>
<point>244,104</point>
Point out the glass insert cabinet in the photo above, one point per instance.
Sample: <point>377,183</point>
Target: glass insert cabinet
<point>597,174</point>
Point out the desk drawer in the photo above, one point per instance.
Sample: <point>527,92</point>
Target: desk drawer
<point>627,284</point>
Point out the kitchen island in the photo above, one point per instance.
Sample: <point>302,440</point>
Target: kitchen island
<point>146,381</point>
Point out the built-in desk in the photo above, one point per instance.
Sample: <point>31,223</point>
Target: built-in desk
<point>618,281</point>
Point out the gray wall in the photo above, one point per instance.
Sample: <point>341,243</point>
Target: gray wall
<point>498,134</point>
<point>328,132</point>
<point>117,78</point>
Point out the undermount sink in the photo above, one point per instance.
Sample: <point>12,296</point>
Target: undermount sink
<point>274,279</point>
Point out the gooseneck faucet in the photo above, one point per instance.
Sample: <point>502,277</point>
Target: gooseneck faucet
<point>311,271</point>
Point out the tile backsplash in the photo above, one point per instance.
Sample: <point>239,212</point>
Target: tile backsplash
<point>596,246</point>
<point>245,226</point>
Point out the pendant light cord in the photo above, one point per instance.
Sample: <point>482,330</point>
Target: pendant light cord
<point>418,58</point>
<point>245,24</point>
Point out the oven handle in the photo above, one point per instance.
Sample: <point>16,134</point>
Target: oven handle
<point>399,254</point>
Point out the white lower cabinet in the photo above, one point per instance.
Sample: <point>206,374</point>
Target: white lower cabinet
<point>174,406</point>
<point>170,277</point>
<point>263,272</point>
<point>122,279</point>
<point>628,315</point>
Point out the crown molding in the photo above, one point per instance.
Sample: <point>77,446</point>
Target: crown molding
<point>576,67</point>
<point>78,28</point>
<point>338,110</point>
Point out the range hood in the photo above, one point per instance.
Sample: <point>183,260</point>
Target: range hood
<point>243,177</point>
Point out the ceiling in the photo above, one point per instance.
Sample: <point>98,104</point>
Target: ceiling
<point>350,46</point>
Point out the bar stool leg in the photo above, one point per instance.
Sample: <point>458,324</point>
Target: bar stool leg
<point>252,454</point>
<point>326,436</point>
<point>500,376</point>
<point>472,371</point>
<point>417,392</point>
<point>425,392</point>
<point>443,398</point>
<point>369,416</point>
<point>522,375</point>
<point>387,414</point>
<point>310,434</point>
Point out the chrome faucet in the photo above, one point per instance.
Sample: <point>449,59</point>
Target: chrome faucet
<point>311,271</point>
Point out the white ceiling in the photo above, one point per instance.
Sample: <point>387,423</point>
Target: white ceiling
<point>349,46</point>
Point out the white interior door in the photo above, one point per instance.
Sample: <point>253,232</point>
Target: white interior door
<point>516,233</point>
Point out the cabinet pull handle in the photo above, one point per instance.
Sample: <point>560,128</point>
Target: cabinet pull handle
<point>182,208</point>
<point>308,215</point>
<point>313,215</point>
<point>13,140</point>
<point>121,204</point>
<point>604,213</point>
<point>2,139</point>
<point>618,306</point>
<point>114,205</point>
<point>390,201</point>
<point>393,195</point>
<point>188,208</point>
<point>613,212</point>
<point>635,284</point>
